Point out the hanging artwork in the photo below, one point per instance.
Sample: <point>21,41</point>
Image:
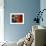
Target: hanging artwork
<point>17,18</point>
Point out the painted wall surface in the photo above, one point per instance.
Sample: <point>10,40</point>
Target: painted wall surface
<point>29,8</point>
<point>1,20</point>
<point>43,6</point>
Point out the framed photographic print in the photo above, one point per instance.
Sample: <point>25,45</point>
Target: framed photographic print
<point>16,18</point>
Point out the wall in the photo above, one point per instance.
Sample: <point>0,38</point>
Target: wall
<point>43,6</point>
<point>28,7</point>
<point>1,20</point>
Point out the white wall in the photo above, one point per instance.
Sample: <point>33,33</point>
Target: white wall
<point>1,21</point>
<point>43,6</point>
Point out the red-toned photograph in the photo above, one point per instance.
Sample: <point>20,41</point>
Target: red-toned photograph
<point>17,18</point>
